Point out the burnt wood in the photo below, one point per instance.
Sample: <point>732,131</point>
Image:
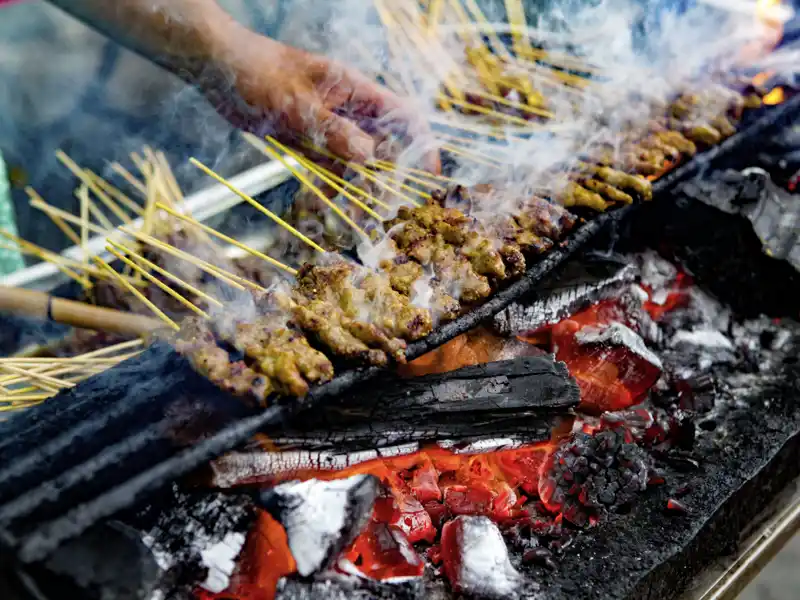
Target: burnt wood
<point>141,461</point>
<point>524,396</point>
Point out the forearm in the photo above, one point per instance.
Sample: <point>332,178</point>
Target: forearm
<point>187,37</point>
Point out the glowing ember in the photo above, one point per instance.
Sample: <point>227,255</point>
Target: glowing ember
<point>776,96</point>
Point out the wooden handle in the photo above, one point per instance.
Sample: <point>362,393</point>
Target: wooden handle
<point>40,305</point>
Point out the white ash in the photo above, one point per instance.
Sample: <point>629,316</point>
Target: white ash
<point>236,467</point>
<point>485,569</point>
<point>656,273</point>
<point>199,533</point>
<point>321,517</point>
<point>617,334</point>
<point>220,559</point>
<point>708,339</point>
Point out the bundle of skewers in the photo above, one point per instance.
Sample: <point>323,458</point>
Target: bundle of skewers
<point>429,248</point>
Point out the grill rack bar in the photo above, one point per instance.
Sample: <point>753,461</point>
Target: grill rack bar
<point>37,543</point>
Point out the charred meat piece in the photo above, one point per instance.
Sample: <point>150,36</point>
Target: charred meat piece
<point>404,274</point>
<point>576,195</point>
<point>197,342</point>
<point>544,219</point>
<point>282,354</point>
<point>634,184</point>
<point>360,312</point>
<point>607,191</point>
<point>337,332</point>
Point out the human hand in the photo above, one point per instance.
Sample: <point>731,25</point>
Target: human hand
<point>297,96</point>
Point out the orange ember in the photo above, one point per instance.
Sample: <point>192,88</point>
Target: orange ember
<point>776,96</point>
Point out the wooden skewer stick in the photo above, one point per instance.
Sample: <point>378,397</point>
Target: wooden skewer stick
<point>363,172</point>
<point>260,145</point>
<point>45,255</point>
<point>323,174</point>
<point>48,379</point>
<point>116,193</point>
<point>310,185</point>
<point>52,211</point>
<point>494,113</point>
<point>86,181</point>
<point>132,289</point>
<point>78,314</point>
<point>230,240</point>
<point>471,155</point>
<point>256,205</point>
<point>174,278</point>
<point>58,221</point>
<point>163,286</point>
<point>230,278</point>
<point>133,181</point>
<point>423,182</point>
<point>539,112</point>
<point>385,164</point>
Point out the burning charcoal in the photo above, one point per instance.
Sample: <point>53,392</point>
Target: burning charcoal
<point>382,552</point>
<point>708,346</point>
<point>475,559</point>
<point>675,507</point>
<point>342,587</point>
<point>593,473</point>
<point>196,539</point>
<point>573,291</point>
<point>321,517</point>
<point>613,367</point>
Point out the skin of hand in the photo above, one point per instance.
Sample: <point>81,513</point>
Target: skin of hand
<point>257,83</point>
<point>292,94</point>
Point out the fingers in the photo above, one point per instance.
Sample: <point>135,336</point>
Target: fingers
<point>343,137</point>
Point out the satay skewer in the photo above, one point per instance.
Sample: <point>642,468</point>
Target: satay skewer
<point>257,205</point>
<point>231,279</point>
<point>171,276</point>
<point>309,184</point>
<point>230,240</point>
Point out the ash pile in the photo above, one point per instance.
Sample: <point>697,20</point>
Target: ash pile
<point>607,395</point>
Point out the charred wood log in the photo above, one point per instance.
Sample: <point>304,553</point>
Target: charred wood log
<point>579,286</point>
<point>518,396</point>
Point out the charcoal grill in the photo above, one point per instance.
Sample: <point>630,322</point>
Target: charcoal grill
<point>130,431</point>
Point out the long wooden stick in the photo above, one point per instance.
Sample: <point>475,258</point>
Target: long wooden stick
<point>310,185</point>
<point>256,205</point>
<point>163,272</point>
<point>231,279</point>
<point>160,284</point>
<point>323,174</point>
<point>78,314</point>
<point>132,289</point>
<point>230,240</point>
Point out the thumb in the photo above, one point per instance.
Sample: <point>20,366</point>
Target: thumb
<point>343,137</point>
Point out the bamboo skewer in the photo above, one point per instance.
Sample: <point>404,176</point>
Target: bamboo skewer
<point>327,176</point>
<point>132,289</point>
<point>160,284</point>
<point>307,182</point>
<point>52,211</point>
<point>116,193</point>
<point>29,248</point>
<point>422,182</point>
<point>257,205</point>
<point>363,172</point>
<point>55,384</point>
<point>58,221</point>
<point>230,278</point>
<point>230,240</point>
<point>129,177</point>
<point>174,278</point>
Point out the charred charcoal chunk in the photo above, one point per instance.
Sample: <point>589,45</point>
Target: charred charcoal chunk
<point>383,552</point>
<point>476,561</point>
<point>321,518</point>
<point>594,473</point>
<point>340,587</point>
